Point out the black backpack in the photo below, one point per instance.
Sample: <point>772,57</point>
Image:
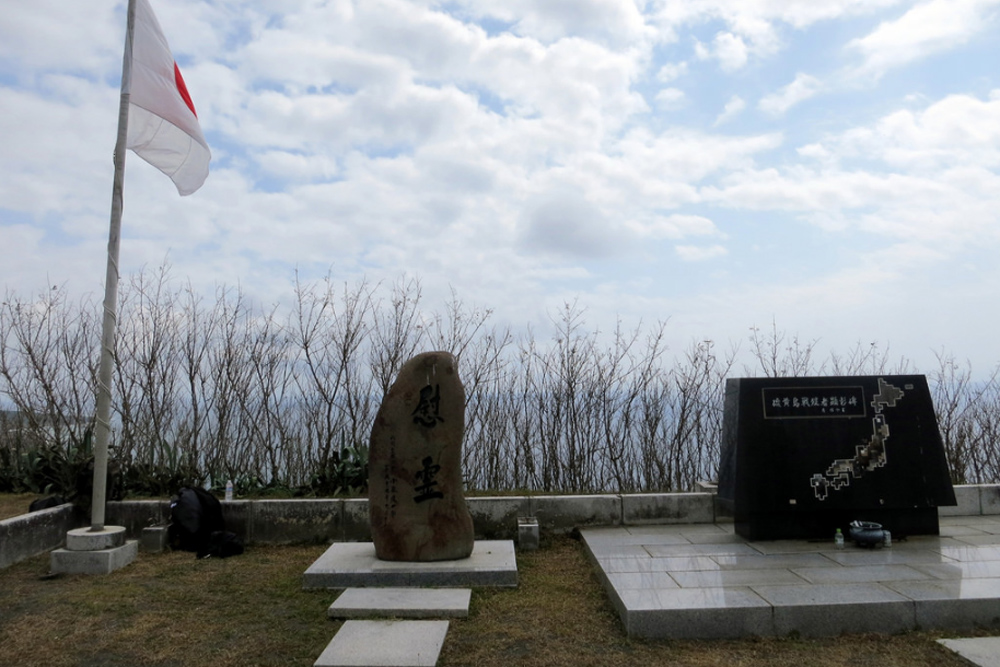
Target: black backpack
<point>197,525</point>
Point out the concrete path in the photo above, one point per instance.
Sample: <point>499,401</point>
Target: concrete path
<point>402,603</point>
<point>981,651</point>
<point>703,581</point>
<point>385,644</point>
<point>378,589</point>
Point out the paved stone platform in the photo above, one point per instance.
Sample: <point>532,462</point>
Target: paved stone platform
<point>354,564</point>
<point>385,644</point>
<point>402,603</point>
<point>704,581</point>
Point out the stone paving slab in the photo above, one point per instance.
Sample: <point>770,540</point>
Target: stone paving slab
<point>402,603</point>
<point>685,587</point>
<point>354,564</point>
<point>385,644</point>
<point>981,651</point>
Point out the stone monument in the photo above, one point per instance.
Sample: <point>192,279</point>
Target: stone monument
<point>415,501</point>
<point>804,456</point>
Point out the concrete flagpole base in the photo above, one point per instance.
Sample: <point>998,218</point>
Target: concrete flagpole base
<point>94,552</point>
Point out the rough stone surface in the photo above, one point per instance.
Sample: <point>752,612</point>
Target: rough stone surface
<point>137,514</point>
<point>385,644</point>
<point>154,539</point>
<point>35,533</point>
<point>357,525</point>
<point>288,521</point>
<point>968,502</point>
<point>240,516</point>
<point>664,508</point>
<point>495,518</point>
<point>989,499</point>
<point>564,513</point>
<point>415,501</point>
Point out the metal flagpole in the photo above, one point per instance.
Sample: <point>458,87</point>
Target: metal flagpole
<point>102,435</point>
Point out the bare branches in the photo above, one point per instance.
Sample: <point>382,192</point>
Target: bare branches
<point>285,397</point>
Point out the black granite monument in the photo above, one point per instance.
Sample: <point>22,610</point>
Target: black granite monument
<point>802,457</point>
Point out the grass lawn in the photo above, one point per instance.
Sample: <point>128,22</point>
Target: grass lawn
<point>173,610</point>
<point>15,504</point>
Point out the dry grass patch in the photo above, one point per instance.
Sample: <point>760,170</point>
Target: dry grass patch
<point>15,504</point>
<point>167,609</point>
<point>171,610</point>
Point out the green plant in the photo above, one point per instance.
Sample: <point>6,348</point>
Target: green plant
<point>346,473</point>
<point>162,476</point>
<point>65,470</point>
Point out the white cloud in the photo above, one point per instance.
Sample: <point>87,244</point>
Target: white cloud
<point>670,98</point>
<point>670,72</point>
<point>957,131</point>
<point>515,157</point>
<point>733,108</point>
<point>564,222</point>
<point>51,34</point>
<point>690,253</point>
<point>802,88</point>
<point>678,226</point>
<point>607,21</point>
<point>731,51</point>
<point>928,28</point>
<point>756,17</point>
<point>728,49</point>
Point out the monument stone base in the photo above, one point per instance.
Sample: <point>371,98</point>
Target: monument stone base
<point>354,564</point>
<point>777,525</point>
<point>94,552</point>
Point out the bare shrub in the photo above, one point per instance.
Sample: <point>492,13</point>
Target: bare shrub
<point>284,397</point>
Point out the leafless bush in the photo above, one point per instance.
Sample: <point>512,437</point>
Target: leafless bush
<point>48,366</point>
<point>285,396</point>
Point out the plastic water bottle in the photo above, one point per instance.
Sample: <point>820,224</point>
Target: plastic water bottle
<point>886,539</point>
<point>229,491</point>
<point>838,539</point>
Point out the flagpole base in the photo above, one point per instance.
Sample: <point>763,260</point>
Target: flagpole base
<point>94,552</point>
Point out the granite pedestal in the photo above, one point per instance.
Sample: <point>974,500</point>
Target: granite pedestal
<point>354,564</point>
<point>94,552</point>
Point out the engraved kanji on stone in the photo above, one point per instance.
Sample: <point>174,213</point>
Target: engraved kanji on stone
<point>426,490</point>
<point>428,410</point>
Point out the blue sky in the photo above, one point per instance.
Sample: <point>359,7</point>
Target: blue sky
<point>832,167</point>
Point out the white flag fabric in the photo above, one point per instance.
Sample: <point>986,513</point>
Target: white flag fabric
<point>163,127</point>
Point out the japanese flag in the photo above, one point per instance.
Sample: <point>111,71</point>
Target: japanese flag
<point>163,127</point>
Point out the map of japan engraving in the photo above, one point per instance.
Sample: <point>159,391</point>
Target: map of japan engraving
<point>838,402</point>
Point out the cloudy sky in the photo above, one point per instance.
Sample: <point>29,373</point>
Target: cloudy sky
<point>833,167</point>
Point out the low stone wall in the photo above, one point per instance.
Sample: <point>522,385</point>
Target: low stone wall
<point>974,500</point>
<point>35,533</point>
<point>346,520</point>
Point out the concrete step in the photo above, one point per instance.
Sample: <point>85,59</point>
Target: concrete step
<point>385,644</point>
<point>354,564</point>
<point>402,603</point>
<point>980,651</point>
